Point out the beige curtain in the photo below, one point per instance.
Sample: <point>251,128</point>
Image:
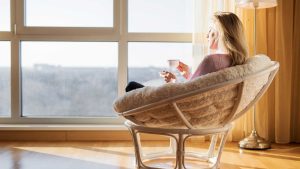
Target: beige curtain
<point>296,74</point>
<point>278,36</point>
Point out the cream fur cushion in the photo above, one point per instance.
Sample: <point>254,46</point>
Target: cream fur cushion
<point>206,110</point>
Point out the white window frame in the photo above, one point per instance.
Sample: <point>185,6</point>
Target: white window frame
<point>119,33</point>
<point>20,27</point>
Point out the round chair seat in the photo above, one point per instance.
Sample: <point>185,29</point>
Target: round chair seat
<point>201,107</point>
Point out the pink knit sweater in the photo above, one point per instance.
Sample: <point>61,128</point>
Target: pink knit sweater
<point>212,63</point>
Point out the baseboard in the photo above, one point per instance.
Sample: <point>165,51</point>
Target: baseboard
<point>73,136</point>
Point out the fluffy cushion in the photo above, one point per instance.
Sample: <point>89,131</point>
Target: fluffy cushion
<point>207,109</point>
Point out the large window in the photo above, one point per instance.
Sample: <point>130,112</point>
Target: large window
<point>71,59</point>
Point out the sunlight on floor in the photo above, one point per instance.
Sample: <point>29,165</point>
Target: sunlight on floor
<point>120,155</point>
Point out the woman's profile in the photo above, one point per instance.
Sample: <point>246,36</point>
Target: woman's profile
<point>226,38</point>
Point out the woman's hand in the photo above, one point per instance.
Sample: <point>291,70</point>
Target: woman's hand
<point>184,70</point>
<point>168,76</point>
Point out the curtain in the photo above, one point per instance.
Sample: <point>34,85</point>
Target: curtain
<point>296,74</point>
<point>278,112</point>
<point>278,36</point>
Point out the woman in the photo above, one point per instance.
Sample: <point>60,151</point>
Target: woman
<point>226,38</point>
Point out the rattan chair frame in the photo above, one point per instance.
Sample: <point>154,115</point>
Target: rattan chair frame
<point>177,147</point>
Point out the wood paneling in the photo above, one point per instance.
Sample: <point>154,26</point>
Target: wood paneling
<point>72,136</point>
<point>32,136</point>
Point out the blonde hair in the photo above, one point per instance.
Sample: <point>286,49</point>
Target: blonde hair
<point>231,32</point>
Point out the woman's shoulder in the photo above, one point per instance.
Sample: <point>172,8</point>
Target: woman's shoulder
<point>216,55</point>
<point>219,60</point>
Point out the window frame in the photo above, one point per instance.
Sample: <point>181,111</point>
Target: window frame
<point>119,34</point>
<point>20,27</point>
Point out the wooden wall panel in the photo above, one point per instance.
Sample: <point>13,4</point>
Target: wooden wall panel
<point>32,136</point>
<point>72,136</point>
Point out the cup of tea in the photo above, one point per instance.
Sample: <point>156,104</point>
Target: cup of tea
<point>173,64</point>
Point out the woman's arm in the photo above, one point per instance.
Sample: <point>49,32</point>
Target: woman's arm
<point>168,76</point>
<point>184,70</point>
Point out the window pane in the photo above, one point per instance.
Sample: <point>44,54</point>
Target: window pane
<point>160,16</point>
<point>146,60</point>
<point>4,78</point>
<point>4,15</point>
<point>69,78</point>
<point>69,13</point>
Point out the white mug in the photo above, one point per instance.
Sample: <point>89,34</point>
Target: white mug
<point>173,63</point>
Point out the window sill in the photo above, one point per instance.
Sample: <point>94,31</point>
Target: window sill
<point>59,127</point>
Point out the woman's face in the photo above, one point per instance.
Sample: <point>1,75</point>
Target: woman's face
<point>212,37</point>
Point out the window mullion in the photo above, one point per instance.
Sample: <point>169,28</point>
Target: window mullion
<point>15,80</point>
<point>15,66</point>
<point>19,18</point>
<point>123,48</point>
<point>117,16</point>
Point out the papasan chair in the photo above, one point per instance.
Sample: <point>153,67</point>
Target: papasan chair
<point>204,106</point>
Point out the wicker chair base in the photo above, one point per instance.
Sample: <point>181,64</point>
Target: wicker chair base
<point>176,150</point>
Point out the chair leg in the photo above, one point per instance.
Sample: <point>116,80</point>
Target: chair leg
<point>180,152</point>
<point>137,148</point>
<point>177,145</point>
<point>220,150</point>
<point>212,146</point>
<point>173,145</point>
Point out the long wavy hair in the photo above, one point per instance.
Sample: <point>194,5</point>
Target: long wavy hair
<point>232,34</point>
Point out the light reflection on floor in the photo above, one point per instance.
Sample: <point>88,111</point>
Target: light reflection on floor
<point>120,155</point>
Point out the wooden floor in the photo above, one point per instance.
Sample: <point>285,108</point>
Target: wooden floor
<point>120,155</point>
